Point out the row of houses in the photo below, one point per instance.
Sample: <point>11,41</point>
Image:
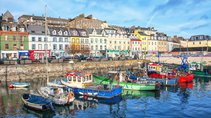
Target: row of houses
<point>28,38</point>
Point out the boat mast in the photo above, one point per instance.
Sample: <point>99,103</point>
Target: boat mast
<point>46,44</point>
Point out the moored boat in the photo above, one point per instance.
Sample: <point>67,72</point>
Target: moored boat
<point>82,83</point>
<point>186,78</point>
<point>198,69</point>
<point>78,79</point>
<point>156,71</point>
<point>19,85</point>
<point>125,85</point>
<point>56,95</point>
<point>37,102</point>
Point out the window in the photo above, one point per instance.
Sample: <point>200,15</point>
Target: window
<point>101,47</point>
<point>46,46</point>
<point>14,46</point>
<point>5,37</point>
<point>21,46</point>
<point>105,40</point>
<point>115,42</point>
<point>91,40</point>
<point>14,38</point>
<point>101,41</point>
<point>40,47</point>
<point>96,47</point>
<point>66,39</point>
<point>96,40</point>
<point>54,46</point>
<point>54,39</point>
<point>105,47</point>
<point>199,42</point>
<point>33,46</point>
<point>33,38</point>
<point>193,43</point>
<point>60,39</point>
<point>60,46</point>
<point>39,38</point>
<point>110,42</point>
<point>66,46</point>
<point>6,46</point>
<point>45,39</point>
<point>82,40</point>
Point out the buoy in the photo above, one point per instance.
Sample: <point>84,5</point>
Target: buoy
<point>11,86</point>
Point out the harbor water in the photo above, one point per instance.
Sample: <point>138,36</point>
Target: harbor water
<point>188,100</point>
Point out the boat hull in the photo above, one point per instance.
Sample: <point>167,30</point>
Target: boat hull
<point>200,73</point>
<point>125,85</point>
<point>19,85</point>
<point>34,102</point>
<point>187,78</point>
<point>98,93</point>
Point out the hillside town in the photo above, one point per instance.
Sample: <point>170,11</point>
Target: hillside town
<point>25,38</point>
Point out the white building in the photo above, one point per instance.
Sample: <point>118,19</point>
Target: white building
<point>135,48</point>
<point>60,40</point>
<point>117,44</point>
<point>97,42</point>
<point>38,42</point>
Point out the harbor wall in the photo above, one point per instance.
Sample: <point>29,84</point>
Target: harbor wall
<point>33,71</point>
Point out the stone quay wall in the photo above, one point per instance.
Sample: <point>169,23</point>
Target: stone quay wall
<point>33,71</point>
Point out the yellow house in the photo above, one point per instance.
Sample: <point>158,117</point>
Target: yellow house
<point>74,41</point>
<point>144,40</point>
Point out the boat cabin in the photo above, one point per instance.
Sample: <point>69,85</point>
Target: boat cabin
<point>197,66</point>
<point>155,67</point>
<point>79,77</point>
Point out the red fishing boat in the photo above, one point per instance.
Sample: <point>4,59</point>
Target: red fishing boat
<point>186,78</point>
<point>156,71</point>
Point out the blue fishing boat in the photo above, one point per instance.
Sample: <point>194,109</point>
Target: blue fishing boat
<point>19,85</point>
<point>82,83</point>
<point>37,102</point>
<point>99,91</point>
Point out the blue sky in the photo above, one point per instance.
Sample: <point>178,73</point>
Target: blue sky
<point>174,17</point>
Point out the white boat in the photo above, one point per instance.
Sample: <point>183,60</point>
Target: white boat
<point>56,95</point>
<point>19,85</point>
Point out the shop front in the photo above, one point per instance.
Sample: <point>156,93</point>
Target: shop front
<point>38,54</point>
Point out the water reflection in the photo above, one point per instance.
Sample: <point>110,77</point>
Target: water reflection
<point>129,104</point>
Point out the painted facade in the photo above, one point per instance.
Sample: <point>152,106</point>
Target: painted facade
<point>117,44</point>
<point>12,42</point>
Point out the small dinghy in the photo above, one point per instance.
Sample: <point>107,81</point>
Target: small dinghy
<point>37,102</point>
<point>19,85</point>
<point>56,95</point>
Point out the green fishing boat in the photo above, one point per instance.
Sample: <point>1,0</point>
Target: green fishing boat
<point>199,70</point>
<point>125,85</point>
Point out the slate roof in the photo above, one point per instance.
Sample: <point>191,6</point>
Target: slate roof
<point>35,29</point>
<point>59,31</point>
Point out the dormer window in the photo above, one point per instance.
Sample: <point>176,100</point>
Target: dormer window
<point>75,33</point>
<point>65,33</point>
<point>54,32</point>
<point>60,32</point>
